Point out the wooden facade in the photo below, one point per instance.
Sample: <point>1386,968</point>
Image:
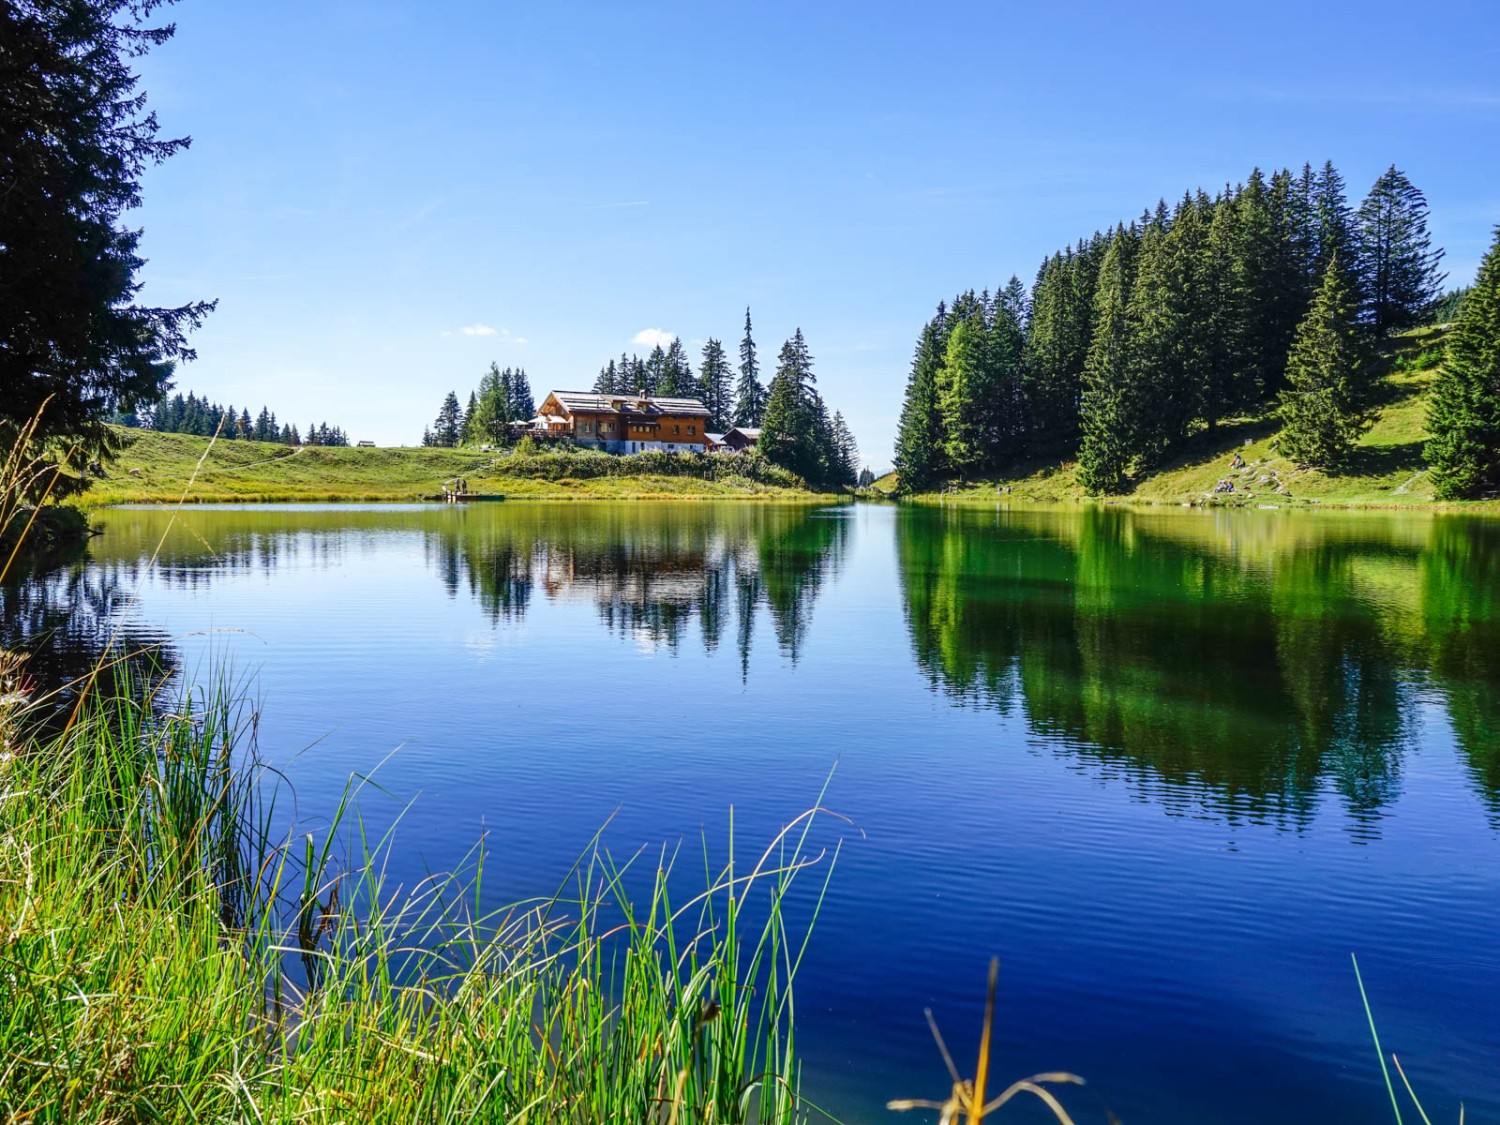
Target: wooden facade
<point>626,423</point>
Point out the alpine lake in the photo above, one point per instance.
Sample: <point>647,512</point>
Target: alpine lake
<point>1172,767</point>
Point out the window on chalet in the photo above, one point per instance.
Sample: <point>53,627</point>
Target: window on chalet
<point>692,429</point>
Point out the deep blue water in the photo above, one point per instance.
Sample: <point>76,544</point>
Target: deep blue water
<point>1173,768</point>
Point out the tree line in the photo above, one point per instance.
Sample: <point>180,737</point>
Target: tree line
<point>1272,295</point>
<point>502,397</point>
<point>189,414</point>
<point>797,431</point>
<point>732,398</point>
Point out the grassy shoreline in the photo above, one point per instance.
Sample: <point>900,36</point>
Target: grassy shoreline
<point>173,954</point>
<point>1387,471</point>
<point>155,468</point>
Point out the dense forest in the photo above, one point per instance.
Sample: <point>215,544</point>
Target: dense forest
<point>190,414</point>
<point>1273,296</point>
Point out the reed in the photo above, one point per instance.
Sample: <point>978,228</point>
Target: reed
<point>164,956</point>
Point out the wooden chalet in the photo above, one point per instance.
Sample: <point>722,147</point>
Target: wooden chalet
<point>624,423</point>
<point>741,438</point>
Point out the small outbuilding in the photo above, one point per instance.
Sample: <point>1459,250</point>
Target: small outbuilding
<point>742,437</point>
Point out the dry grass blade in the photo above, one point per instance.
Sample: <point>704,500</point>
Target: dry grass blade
<point>967,1098</point>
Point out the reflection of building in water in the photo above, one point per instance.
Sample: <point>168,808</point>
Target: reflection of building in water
<point>652,578</point>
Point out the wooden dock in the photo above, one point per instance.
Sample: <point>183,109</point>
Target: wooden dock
<point>465,497</point>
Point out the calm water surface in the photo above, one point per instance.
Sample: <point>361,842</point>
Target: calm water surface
<point>1172,767</point>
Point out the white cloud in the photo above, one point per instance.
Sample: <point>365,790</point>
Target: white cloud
<point>477,330</point>
<point>522,340</point>
<point>652,337</point>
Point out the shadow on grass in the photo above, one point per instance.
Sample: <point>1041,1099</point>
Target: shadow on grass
<point>1384,460</point>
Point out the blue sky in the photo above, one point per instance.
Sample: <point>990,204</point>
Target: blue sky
<point>387,196</point>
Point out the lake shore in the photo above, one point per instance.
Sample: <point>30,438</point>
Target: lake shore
<point>160,468</point>
<point>1387,471</point>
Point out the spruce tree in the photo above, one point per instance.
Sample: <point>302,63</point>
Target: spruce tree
<point>846,451</point>
<point>1464,414</point>
<point>677,373</point>
<point>76,138</point>
<point>919,434</point>
<point>1325,404</point>
<point>962,394</point>
<point>1108,407</point>
<point>792,433</point>
<point>750,396</point>
<point>604,382</point>
<point>522,406</point>
<point>1052,362</point>
<point>445,430</point>
<point>714,385</point>
<point>1398,268</point>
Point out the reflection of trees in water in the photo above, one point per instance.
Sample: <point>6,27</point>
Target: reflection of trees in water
<point>67,619</point>
<point>1461,614</point>
<point>1240,680</point>
<point>651,573</point>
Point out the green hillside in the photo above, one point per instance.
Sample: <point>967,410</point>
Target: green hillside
<point>159,468</point>
<point>1387,470</point>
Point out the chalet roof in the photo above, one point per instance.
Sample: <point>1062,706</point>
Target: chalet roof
<point>751,432</point>
<point>628,404</point>
<point>715,438</point>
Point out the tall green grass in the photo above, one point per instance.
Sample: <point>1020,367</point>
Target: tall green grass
<point>165,957</point>
<point>168,954</point>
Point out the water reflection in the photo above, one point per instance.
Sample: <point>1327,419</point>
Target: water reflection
<point>1244,660</point>
<point>653,572</point>
<point>66,617</point>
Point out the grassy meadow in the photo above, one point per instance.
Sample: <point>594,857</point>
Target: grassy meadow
<point>162,468</point>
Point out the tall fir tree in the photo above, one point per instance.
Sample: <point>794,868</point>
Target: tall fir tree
<point>963,394</point>
<point>676,373</point>
<point>796,432</point>
<point>1398,267</point>
<point>1109,402</point>
<point>750,395</point>
<point>919,433</point>
<point>1464,413</point>
<point>445,430</point>
<point>846,451</point>
<point>522,404</point>
<point>604,382</point>
<point>1325,404</point>
<point>1052,362</point>
<point>715,385</point>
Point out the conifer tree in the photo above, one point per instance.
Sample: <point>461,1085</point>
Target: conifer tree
<point>676,373</point>
<point>919,434</point>
<point>522,406</point>
<point>656,363</point>
<point>750,396</point>
<point>796,432</point>
<point>445,431</point>
<point>1052,362</point>
<point>714,385</point>
<point>1324,406</point>
<point>604,383</point>
<point>846,451</point>
<point>76,138</point>
<point>1398,268</point>
<point>1464,414</point>
<point>1109,404</point>
<point>962,394</point>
